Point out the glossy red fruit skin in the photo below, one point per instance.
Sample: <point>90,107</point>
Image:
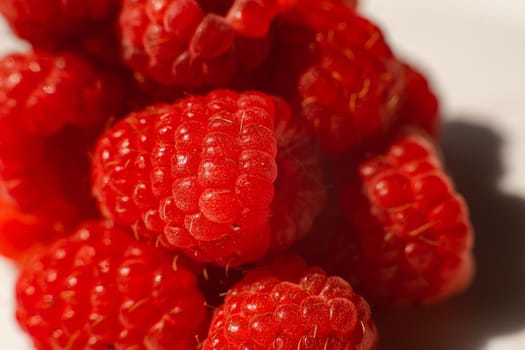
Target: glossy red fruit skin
<point>190,44</point>
<point>337,70</point>
<point>287,305</point>
<point>100,288</point>
<point>225,177</point>
<point>407,237</point>
<point>419,105</point>
<point>50,24</point>
<point>42,92</point>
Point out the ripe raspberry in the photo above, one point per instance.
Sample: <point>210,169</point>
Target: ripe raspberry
<point>337,70</point>
<point>23,231</point>
<point>42,92</point>
<point>419,105</point>
<point>101,289</point>
<point>409,240</point>
<point>55,23</point>
<point>195,43</point>
<point>44,187</point>
<point>225,177</point>
<point>291,306</point>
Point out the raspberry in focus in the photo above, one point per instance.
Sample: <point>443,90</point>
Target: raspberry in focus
<point>225,177</point>
<point>288,305</point>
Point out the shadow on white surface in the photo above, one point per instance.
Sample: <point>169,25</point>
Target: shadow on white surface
<point>495,304</point>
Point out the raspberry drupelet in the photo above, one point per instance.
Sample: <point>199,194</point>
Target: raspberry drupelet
<point>287,305</point>
<point>225,177</point>
<point>101,289</point>
<point>408,239</point>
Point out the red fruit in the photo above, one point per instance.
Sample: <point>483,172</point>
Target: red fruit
<point>291,306</point>
<point>22,231</point>
<point>41,93</point>
<point>224,177</point>
<point>195,43</point>
<point>409,240</point>
<point>419,105</point>
<point>55,23</point>
<point>338,71</point>
<point>44,187</point>
<point>101,289</point>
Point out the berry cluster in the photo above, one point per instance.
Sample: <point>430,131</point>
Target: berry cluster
<point>159,157</point>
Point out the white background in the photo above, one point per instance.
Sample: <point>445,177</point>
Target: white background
<point>474,51</point>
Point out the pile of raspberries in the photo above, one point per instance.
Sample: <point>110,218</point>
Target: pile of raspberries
<point>219,174</point>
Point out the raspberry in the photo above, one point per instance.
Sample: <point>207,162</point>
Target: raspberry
<point>101,289</point>
<point>419,105</point>
<point>409,240</point>
<point>44,187</point>
<point>226,177</point>
<point>54,23</point>
<point>23,231</point>
<point>338,71</point>
<point>195,43</point>
<point>42,92</point>
<point>291,306</point>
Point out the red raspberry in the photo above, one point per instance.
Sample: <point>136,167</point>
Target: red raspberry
<point>291,306</point>
<point>409,240</point>
<point>53,23</point>
<point>42,92</point>
<point>338,71</point>
<point>223,176</point>
<point>101,289</point>
<point>195,43</point>
<point>21,231</point>
<point>44,187</point>
<point>419,105</point>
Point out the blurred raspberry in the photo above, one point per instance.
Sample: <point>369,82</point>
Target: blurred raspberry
<point>102,289</point>
<point>41,92</point>
<point>419,105</point>
<point>195,43</point>
<point>44,188</point>
<point>408,238</point>
<point>51,24</point>
<point>338,72</point>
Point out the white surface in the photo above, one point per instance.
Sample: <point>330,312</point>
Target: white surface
<point>475,52</point>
